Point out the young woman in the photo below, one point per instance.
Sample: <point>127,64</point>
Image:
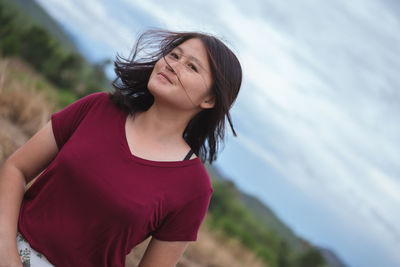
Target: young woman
<point>123,166</point>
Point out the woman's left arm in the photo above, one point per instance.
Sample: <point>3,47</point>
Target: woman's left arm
<point>161,253</point>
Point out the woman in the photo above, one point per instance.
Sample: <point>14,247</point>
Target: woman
<point>123,166</point>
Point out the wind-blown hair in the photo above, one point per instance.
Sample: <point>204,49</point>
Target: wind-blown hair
<point>206,129</point>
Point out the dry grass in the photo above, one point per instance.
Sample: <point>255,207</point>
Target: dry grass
<point>25,106</point>
<point>21,99</point>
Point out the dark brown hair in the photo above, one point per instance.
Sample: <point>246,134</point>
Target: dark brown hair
<point>207,126</point>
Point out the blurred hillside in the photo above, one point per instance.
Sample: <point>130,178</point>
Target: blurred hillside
<point>40,74</point>
<point>38,14</point>
<point>22,35</point>
<point>257,227</point>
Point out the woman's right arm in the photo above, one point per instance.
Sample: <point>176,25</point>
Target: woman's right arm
<point>18,170</point>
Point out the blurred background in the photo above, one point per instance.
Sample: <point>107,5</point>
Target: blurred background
<point>313,178</point>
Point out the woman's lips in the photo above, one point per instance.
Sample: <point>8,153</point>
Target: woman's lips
<point>166,77</point>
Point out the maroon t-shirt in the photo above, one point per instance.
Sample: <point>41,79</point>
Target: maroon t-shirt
<point>96,200</point>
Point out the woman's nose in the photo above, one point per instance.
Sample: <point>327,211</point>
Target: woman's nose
<point>170,68</point>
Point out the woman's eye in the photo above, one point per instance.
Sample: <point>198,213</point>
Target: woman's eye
<point>193,67</point>
<point>174,55</point>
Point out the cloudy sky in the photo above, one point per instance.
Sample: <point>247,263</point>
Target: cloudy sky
<point>318,139</point>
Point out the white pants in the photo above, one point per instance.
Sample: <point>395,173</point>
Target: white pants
<point>29,256</point>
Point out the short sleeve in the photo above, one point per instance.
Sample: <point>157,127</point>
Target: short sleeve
<point>65,121</point>
<point>184,223</point>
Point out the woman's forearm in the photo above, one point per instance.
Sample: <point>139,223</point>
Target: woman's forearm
<point>12,188</point>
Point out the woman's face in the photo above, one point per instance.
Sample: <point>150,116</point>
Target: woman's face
<point>186,80</point>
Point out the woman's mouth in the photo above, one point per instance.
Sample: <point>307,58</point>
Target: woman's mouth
<point>165,77</point>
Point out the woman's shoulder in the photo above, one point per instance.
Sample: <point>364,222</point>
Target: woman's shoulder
<point>101,95</point>
<point>201,176</point>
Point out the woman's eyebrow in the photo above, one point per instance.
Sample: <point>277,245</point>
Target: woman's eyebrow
<point>191,57</point>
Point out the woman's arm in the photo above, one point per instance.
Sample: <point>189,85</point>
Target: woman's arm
<point>163,253</point>
<point>18,170</point>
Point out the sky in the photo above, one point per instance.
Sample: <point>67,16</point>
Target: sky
<point>317,114</point>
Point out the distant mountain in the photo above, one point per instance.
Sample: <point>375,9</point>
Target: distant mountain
<point>331,258</point>
<point>45,20</point>
<point>266,215</point>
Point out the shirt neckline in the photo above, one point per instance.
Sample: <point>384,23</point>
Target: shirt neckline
<point>144,161</point>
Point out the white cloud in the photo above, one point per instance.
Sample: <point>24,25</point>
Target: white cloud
<point>93,21</point>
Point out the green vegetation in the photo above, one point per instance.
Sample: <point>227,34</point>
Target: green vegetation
<point>21,36</point>
<point>231,216</point>
<point>40,15</point>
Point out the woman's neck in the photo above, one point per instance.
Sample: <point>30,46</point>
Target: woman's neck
<point>162,124</point>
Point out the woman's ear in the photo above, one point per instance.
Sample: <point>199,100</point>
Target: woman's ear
<point>208,102</point>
